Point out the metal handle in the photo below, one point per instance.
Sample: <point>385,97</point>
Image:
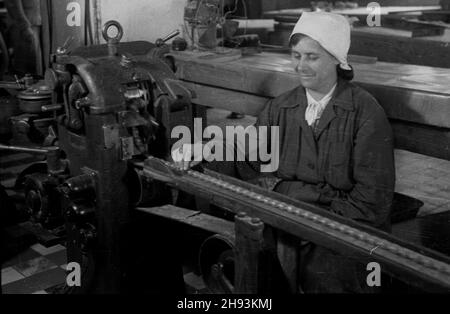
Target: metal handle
<point>35,150</point>
<point>171,35</point>
<point>160,41</point>
<point>55,107</point>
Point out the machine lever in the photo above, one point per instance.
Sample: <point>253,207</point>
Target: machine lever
<point>33,150</point>
<point>63,49</point>
<point>160,42</point>
<point>54,107</point>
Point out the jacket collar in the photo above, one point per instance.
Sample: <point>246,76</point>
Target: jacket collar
<point>342,97</point>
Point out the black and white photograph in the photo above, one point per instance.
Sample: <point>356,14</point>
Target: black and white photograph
<point>225,155</point>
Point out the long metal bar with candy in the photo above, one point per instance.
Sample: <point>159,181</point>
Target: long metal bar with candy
<point>418,266</point>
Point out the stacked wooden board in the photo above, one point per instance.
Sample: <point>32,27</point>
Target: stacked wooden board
<point>406,34</point>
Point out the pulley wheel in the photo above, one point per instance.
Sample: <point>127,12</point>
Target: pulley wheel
<point>216,259</point>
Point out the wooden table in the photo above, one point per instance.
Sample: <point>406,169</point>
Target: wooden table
<point>415,98</point>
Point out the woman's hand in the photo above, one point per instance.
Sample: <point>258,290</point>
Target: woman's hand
<point>188,156</point>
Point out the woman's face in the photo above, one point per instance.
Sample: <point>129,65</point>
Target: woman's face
<point>316,67</point>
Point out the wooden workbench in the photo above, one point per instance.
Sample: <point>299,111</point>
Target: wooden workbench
<point>415,98</point>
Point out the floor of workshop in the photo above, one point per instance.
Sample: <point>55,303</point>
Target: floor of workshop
<point>37,270</point>
<point>41,270</point>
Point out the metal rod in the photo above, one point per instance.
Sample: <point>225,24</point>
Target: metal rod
<point>47,108</point>
<point>35,150</point>
<point>11,85</point>
<point>171,35</point>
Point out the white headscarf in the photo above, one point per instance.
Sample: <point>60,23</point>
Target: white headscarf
<point>330,30</point>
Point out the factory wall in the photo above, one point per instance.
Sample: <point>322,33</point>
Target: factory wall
<point>143,19</point>
<point>152,19</point>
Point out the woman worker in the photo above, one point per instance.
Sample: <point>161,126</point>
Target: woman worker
<point>336,148</point>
